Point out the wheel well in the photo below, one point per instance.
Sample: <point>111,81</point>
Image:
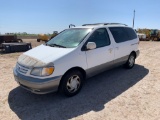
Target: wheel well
<point>133,52</point>
<point>74,68</point>
<point>77,68</point>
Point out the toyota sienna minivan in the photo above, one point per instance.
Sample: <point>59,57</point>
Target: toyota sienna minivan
<point>63,63</point>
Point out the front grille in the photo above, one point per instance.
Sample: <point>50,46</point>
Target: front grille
<point>22,69</point>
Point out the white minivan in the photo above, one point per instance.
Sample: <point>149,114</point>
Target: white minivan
<point>64,62</point>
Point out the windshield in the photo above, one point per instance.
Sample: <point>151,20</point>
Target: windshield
<point>69,38</point>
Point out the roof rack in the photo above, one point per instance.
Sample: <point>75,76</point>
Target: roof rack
<point>71,25</point>
<point>104,24</point>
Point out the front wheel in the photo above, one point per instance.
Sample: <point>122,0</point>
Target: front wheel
<point>19,40</point>
<point>130,62</point>
<point>38,40</point>
<point>71,83</point>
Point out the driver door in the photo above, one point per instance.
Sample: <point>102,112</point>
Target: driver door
<point>100,58</point>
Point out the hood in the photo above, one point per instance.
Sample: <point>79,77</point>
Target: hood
<point>42,55</point>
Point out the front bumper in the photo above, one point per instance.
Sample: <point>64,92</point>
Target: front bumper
<point>35,85</point>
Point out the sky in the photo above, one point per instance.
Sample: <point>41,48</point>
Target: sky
<point>46,16</point>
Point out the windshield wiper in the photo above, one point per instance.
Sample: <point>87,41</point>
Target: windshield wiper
<point>56,45</point>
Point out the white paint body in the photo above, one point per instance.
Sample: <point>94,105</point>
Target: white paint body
<point>64,59</point>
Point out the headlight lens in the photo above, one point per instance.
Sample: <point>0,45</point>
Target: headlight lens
<point>46,71</point>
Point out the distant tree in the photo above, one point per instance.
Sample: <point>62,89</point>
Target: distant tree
<point>24,33</point>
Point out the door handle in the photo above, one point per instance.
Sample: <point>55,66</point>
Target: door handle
<point>110,50</point>
<point>134,44</point>
<point>117,48</point>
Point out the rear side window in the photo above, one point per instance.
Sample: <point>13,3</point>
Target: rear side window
<point>131,33</point>
<point>122,34</point>
<point>119,34</point>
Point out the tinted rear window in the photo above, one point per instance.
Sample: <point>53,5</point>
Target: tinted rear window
<point>122,34</point>
<point>131,33</point>
<point>119,34</point>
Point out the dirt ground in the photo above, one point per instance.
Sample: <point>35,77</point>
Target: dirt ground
<point>118,94</point>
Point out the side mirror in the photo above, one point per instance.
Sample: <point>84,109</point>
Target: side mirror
<point>91,45</point>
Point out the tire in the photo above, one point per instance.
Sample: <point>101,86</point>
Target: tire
<point>71,83</point>
<point>38,40</point>
<point>19,40</point>
<point>131,61</point>
<point>46,41</point>
<point>51,37</point>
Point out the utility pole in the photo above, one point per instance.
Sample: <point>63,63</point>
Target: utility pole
<point>133,17</point>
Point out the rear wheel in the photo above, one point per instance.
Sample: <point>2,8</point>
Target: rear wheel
<point>131,61</point>
<point>20,40</point>
<point>38,40</point>
<point>71,83</point>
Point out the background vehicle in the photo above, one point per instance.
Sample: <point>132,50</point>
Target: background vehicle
<point>9,39</point>
<point>149,34</point>
<point>141,36</point>
<point>44,37</point>
<point>154,35</point>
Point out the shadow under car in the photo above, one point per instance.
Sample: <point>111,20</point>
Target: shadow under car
<point>96,92</point>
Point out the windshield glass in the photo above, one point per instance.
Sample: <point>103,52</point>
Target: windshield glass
<point>69,38</point>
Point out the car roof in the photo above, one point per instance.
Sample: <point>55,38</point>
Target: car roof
<point>99,25</point>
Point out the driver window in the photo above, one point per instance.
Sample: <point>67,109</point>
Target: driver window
<point>100,37</point>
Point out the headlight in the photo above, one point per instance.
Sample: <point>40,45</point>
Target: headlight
<point>46,71</point>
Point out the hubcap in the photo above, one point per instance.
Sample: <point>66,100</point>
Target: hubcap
<point>73,83</point>
<point>131,61</point>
